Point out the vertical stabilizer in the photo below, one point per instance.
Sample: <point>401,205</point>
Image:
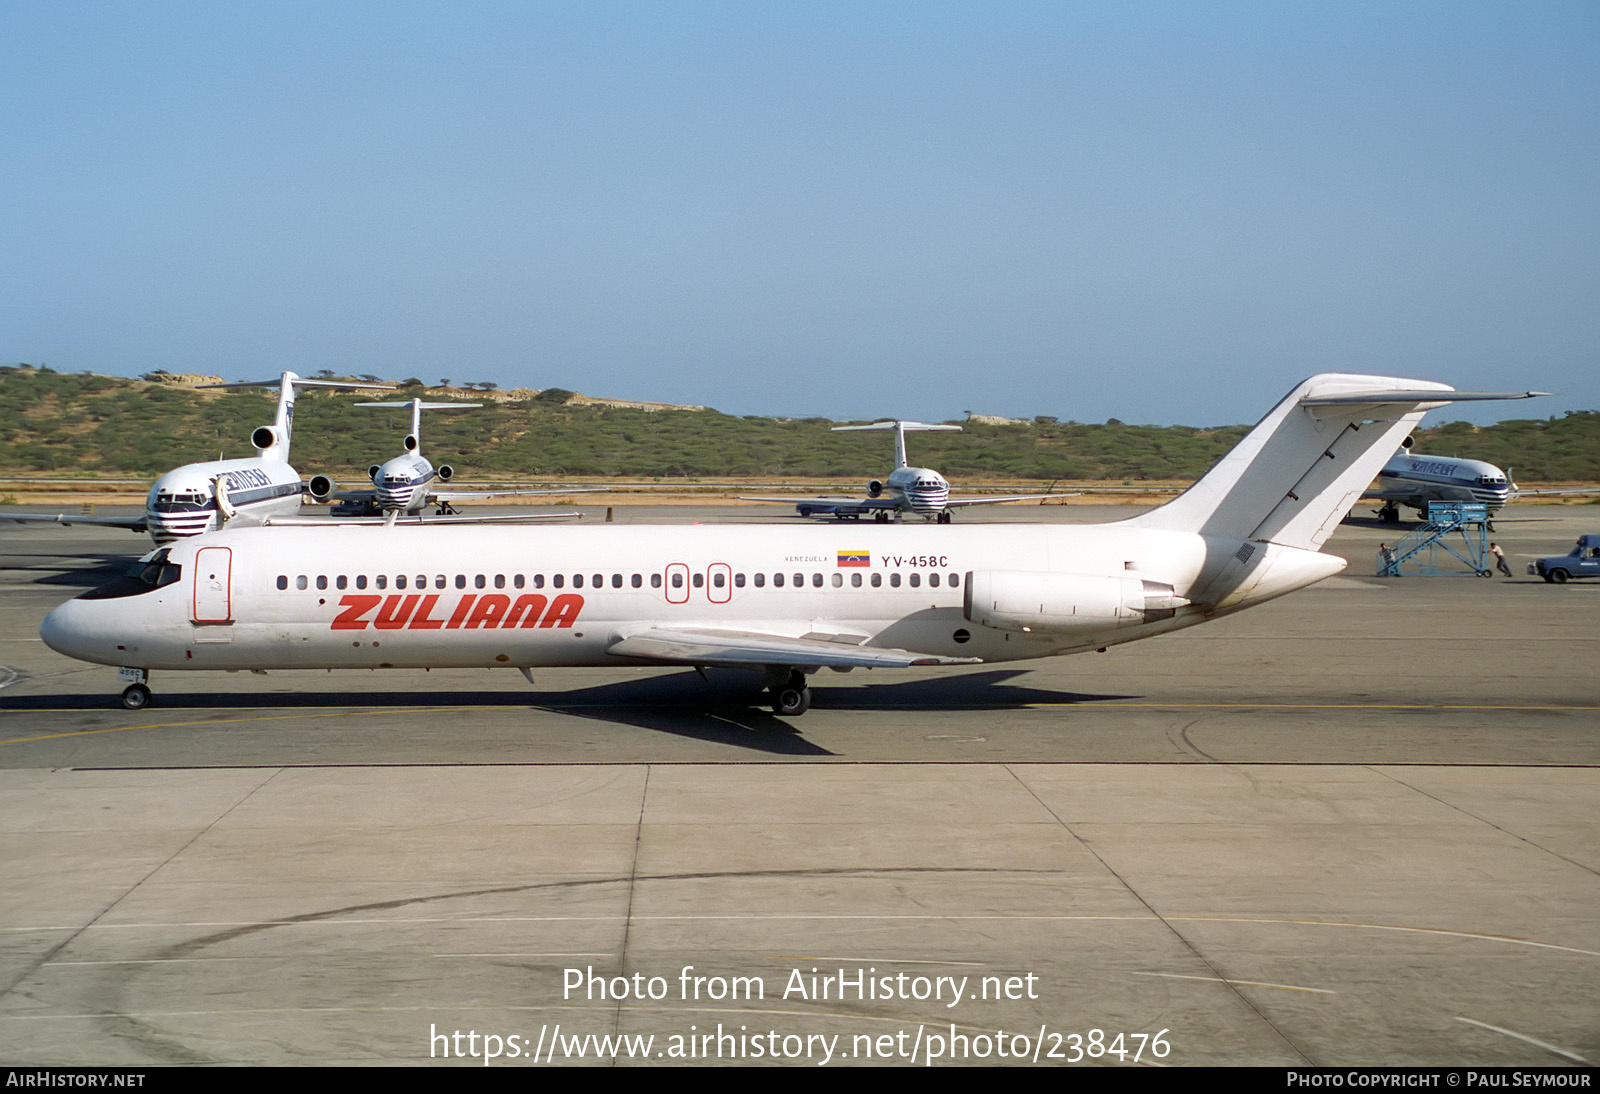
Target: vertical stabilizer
<point>413,442</point>
<point>1292,479</point>
<point>283,421</point>
<point>900,430</point>
<point>272,441</point>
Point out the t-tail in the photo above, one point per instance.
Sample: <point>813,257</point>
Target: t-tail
<point>900,430</point>
<point>1292,479</point>
<point>413,441</point>
<point>272,441</point>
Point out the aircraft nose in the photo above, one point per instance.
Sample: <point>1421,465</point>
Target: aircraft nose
<point>67,631</point>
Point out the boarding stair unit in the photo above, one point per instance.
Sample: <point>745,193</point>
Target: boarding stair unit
<point>1459,529</point>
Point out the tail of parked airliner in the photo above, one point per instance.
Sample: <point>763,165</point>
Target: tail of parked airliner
<point>1293,477</point>
<point>272,441</point>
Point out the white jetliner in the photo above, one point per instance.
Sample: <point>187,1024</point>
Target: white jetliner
<point>1417,481</point>
<point>202,497</point>
<point>785,600</point>
<point>406,484</point>
<point>919,490</point>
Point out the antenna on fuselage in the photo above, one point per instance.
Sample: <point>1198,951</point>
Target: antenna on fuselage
<point>900,429</point>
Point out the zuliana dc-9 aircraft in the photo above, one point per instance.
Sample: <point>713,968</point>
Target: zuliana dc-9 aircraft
<point>787,601</point>
<point>238,493</point>
<point>919,490</point>
<point>408,483</point>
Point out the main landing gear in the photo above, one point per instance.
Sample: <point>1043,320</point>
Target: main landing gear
<point>791,698</point>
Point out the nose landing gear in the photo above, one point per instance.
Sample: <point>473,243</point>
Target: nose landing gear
<point>136,696</point>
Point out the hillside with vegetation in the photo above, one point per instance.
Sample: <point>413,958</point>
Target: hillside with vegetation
<point>86,424</point>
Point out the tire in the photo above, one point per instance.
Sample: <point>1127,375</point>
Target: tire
<point>1558,576</point>
<point>135,697</point>
<point>790,702</point>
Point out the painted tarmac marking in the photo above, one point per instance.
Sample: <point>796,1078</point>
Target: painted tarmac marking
<point>1244,983</point>
<point>1524,1037</point>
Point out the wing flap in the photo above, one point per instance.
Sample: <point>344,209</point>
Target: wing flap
<point>692,646</point>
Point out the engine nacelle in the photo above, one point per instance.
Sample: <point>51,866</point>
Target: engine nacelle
<point>446,472</point>
<point>372,471</point>
<point>411,442</point>
<point>1047,602</point>
<point>321,488</point>
<point>265,439</point>
<point>874,488</point>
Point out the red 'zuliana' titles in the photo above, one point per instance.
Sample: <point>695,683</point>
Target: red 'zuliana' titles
<point>414,611</point>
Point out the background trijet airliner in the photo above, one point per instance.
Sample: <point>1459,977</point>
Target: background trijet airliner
<point>919,490</point>
<point>1416,481</point>
<point>785,600</point>
<point>202,497</point>
<point>407,483</point>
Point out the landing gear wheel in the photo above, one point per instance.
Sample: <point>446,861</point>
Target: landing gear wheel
<point>944,516</point>
<point>791,698</point>
<point>881,517</point>
<point>135,697</point>
<point>790,701</point>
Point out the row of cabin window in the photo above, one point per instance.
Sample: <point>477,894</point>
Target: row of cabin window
<point>718,580</point>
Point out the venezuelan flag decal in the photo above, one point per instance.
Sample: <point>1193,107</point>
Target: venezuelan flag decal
<point>855,558</point>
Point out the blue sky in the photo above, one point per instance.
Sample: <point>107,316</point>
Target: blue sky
<point>1156,212</point>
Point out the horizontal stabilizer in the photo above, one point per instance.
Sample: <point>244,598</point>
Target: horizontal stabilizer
<point>1421,399</point>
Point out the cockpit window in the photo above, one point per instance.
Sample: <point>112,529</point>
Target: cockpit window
<point>181,502</point>
<point>142,577</point>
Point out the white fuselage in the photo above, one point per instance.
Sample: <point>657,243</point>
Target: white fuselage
<point>522,597</point>
<point>403,483</point>
<point>920,489</point>
<point>1416,480</point>
<point>185,502</point>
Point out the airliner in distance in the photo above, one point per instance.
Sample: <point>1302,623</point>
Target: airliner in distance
<point>782,600</point>
<point>1416,481</point>
<point>237,493</point>
<point>408,483</point>
<point>919,490</point>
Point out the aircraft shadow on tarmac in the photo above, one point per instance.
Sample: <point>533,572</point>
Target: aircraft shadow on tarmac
<point>724,709</point>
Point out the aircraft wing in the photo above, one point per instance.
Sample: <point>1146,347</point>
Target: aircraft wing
<point>955,502</point>
<point>436,496</point>
<point>460,518</point>
<point>1413,494</point>
<point>827,506</point>
<point>132,524</point>
<point>696,646</point>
